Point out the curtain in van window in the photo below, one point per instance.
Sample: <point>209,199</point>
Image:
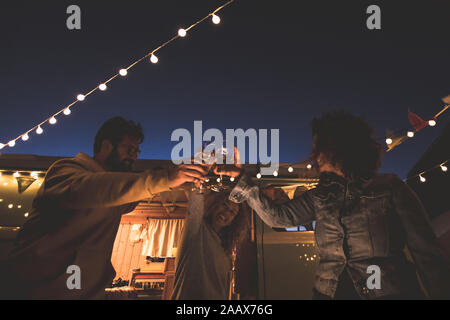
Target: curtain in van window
<point>161,237</point>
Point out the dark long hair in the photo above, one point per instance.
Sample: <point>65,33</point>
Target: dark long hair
<point>347,142</point>
<point>234,234</point>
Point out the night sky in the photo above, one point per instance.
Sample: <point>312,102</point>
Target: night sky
<point>268,65</point>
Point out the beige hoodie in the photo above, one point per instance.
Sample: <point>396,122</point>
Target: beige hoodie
<point>74,221</point>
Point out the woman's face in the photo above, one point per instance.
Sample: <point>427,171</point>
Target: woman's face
<point>223,215</point>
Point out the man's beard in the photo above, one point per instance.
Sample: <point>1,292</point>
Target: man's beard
<point>115,165</point>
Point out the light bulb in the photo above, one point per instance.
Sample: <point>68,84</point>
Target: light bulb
<point>218,180</point>
<point>231,179</point>
<point>52,120</point>
<point>432,123</point>
<point>410,134</point>
<point>25,137</point>
<point>275,173</point>
<point>290,169</point>
<point>10,205</point>
<point>67,111</point>
<point>26,214</point>
<point>81,97</point>
<point>16,174</point>
<point>39,130</point>
<point>123,72</point>
<point>182,33</point>
<point>154,59</point>
<point>34,175</point>
<point>2,146</point>
<point>422,179</point>
<point>444,168</point>
<point>258,176</point>
<point>12,143</point>
<point>215,19</point>
<point>388,141</point>
<point>102,87</point>
<point>207,180</point>
<point>309,166</point>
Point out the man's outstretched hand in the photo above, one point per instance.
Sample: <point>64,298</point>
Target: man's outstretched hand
<point>231,170</point>
<point>187,173</point>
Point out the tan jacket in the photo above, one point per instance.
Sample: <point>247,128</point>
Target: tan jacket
<point>74,221</point>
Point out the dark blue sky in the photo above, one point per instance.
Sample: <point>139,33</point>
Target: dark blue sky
<point>269,64</point>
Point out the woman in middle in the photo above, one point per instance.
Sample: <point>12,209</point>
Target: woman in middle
<point>214,226</point>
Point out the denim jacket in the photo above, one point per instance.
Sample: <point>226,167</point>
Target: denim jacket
<point>361,223</point>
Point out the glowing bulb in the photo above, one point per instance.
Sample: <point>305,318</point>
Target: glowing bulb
<point>231,179</point>
<point>290,169</point>
<point>102,87</point>
<point>12,143</point>
<point>39,130</point>
<point>25,137</point>
<point>52,120</point>
<point>81,97</point>
<point>410,134</point>
<point>422,179</point>
<point>19,206</point>
<point>218,180</point>
<point>309,166</point>
<point>215,19</point>
<point>26,214</point>
<point>10,206</point>
<point>2,146</point>
<point>154,59</point>
<point>1,200</point>
<point>444,168</point>
<point>34,175</point>
<point>123,72</point>
<point>182,33</point>
<point>207,180</point>
<point>16,174</point>
<point>432,123</point>
<point>388,141</point>
<point>67,111</point>
<point>275,173</point>
<point>258,176</point>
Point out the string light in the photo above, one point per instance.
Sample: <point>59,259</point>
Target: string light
<point>290,169</point>
<point>432,123</point>
<point>388,141</point>
<point>16,174</point>
<point>154,59</point>
<point>26,214</point>
<point>218,180</point>
<point>258,176</point>
<point>231,179</point>
<point>443,168</point>
<point>215,19</point>
<point>52,120</point>
<point>309,166</point>
<point>67,111</point>
<point>10,206</point>
<point>275,173</point>
<point>25,137</point>
<point>422,178</point>
<point>122,72</point>
<point>410,134</point>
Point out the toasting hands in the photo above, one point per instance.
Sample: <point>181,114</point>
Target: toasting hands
<point>187,173</point>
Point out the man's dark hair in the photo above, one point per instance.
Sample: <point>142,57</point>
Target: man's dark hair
<point>115,129</point>
<point>347,142</point>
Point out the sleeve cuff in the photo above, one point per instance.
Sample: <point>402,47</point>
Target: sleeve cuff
<point>241,190</point>
<point>157,181</point>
